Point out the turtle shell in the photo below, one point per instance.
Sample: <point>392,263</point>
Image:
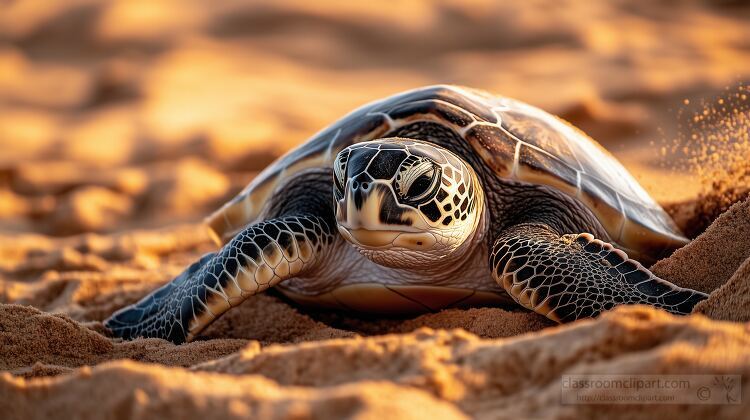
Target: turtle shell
<point>514,140</point>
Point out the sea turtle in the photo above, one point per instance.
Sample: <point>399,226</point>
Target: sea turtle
<point>432,198</point>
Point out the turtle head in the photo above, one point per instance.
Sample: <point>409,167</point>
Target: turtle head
<point>406,203</point>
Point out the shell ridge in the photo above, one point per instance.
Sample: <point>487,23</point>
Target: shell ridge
<point>593,166</point>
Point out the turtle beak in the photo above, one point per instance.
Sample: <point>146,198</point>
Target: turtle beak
<point>362,204</point>
<point>369,238</point>
<point>370,216</point>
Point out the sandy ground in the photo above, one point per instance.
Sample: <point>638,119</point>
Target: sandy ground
<point>124,123</point>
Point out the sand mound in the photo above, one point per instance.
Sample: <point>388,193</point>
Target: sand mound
<point>269,320</point>
<point>518,376</point>
<point>37,343</point>
<point>132,390</point>
<point>712,258</point>
<point>483,322</point>
<point>426,373</point>
<point>730,302</point>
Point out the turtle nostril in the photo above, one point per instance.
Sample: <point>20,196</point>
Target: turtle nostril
<point>365,185</point>
<point>355,185</point>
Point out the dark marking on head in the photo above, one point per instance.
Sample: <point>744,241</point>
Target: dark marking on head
<point>359,158</point>
<point>431,210</point>
<point>391,214</point>
<point>359,199</point>
<point>441,195</point>
<point>385,164</point>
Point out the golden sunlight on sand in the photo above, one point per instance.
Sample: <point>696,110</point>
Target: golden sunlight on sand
<point>124,123</point>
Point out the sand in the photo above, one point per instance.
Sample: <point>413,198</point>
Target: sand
<point>444,373</point>
<point>711,259</point>
<point>124,123</point>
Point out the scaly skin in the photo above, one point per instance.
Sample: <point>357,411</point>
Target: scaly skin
<point>576,276</point>
<point>256,259</point>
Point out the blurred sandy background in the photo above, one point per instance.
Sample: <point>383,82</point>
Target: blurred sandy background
<point>116,114</point>
<point>124,123</point>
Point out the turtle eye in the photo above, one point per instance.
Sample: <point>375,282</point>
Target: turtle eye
<point>421,186</point>
<point>339,172</point>
<point>417,179</point>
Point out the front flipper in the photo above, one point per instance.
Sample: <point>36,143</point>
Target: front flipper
<point>256,259</point>
<point>576,276</point>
